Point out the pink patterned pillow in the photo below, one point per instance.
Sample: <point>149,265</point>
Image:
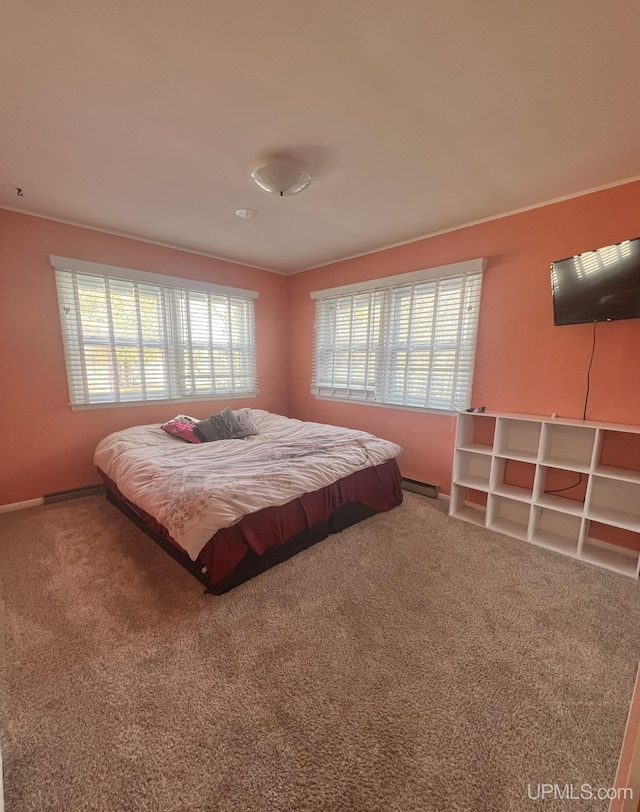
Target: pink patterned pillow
<point>182,426</point>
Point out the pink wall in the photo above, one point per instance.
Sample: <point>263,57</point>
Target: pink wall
<point>524,363</point>
<point>45,446</point>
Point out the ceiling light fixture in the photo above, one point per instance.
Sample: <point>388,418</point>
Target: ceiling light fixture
<point>246,214</point>
<point>282,177</point>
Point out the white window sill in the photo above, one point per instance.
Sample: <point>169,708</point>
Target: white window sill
<point>79,407</point>
<point>394,406</point>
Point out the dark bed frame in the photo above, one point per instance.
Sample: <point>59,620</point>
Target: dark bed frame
<point>252,564</point>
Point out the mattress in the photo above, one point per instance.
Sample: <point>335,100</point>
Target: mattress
<point>195,490</point>
<point>232,508</point>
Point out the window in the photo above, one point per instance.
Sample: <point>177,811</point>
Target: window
<point>133,336</point>
<point>406,340</point>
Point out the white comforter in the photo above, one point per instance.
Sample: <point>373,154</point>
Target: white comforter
<point>195,490</point>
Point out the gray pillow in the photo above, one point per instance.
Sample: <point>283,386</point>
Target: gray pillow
<point>247,423</point>
<point>220,426</point>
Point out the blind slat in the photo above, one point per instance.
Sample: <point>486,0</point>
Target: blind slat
<point>410,344</point>
<point>130,340</point>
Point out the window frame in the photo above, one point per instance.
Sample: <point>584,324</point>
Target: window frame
<point>391,288</point>
<point>172,294</point>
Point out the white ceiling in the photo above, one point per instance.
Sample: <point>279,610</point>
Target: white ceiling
<point>146,118</point>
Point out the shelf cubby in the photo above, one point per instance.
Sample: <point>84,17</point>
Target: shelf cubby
<point>572,486</point>
<point>508,516</point>
<point>556,530</point>
<point>513,479</point>
<point>517,439</point>
<point>623,474</point>
<point>613,548</point>
<point>468,504</point>
<point>609,559</point>
<point>477,434</point>
<point>550,491</point>
<point>472,470</point>
<point>569,447</point>
<point>615,502</point>
<point>617,452</point>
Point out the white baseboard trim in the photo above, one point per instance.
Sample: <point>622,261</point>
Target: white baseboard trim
<point>21,505</point>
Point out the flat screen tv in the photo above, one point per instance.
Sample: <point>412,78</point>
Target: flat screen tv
<point>602,285</point>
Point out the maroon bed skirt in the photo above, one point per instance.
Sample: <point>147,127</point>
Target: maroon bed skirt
<point>299,523</point>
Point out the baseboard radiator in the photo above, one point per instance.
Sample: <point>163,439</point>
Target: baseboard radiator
<point>423,488</point>
<point>73,493</point>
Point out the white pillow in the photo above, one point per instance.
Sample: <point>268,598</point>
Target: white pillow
<point>247,423</point>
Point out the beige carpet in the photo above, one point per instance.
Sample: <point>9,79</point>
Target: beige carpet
<point>409,663</point>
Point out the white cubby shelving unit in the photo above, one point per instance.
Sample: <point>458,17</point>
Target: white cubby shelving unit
<point>572,486</point>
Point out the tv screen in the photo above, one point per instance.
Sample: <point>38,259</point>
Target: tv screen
<point>602,285</point>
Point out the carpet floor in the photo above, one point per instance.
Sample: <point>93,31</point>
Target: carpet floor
<point>411,662</point>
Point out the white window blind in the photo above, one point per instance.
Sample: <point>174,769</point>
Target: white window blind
<point>133,336</point>
<point>407,340</point>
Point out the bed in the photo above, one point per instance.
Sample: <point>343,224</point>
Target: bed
<point>229,510</point>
